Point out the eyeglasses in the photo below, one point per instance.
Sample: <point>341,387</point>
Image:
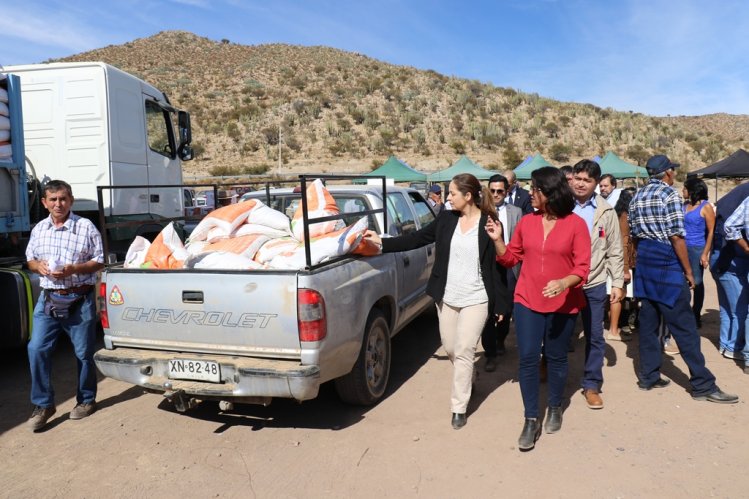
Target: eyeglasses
<point>497,191</point>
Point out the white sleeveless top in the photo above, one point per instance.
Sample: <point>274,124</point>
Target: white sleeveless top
<point>464,284</point>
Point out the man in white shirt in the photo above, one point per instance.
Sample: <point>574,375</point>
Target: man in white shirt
<point>494,334</point>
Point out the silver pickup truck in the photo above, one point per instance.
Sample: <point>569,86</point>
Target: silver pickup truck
<point>249,336</point>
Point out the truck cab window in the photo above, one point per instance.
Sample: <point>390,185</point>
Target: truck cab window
<point>423,212</point>
<point>158,130</point>
<point>401,214</point>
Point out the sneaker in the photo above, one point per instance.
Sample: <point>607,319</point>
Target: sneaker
<point>40,416</point>
<point>731,355</point>
<point>670,347</point>
<point>81,411</point>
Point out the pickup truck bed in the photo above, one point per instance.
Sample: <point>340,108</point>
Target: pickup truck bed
<point>251,336</point>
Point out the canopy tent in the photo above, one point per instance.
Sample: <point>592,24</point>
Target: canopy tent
<point>735,165</point>
<point>523,170</point>
<point>616,166</point>
<point>397,170</point>
<point>463,165</point>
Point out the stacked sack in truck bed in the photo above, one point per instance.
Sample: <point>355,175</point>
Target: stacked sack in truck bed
<point>6,153</point>
<point>251,235</point>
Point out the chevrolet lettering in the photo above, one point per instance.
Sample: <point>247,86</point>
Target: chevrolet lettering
<point>224,319</point>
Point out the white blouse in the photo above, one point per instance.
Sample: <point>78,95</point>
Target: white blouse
<point>464,284</point>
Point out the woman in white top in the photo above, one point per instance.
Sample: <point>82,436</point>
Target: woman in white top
<point>466,282</point>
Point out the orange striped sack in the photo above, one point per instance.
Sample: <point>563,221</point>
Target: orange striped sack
<point>320,203</point>
<point>246,246</point>
<point>166,251</point>
<point>226,219</point>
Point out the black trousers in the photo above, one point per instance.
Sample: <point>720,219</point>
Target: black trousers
<point>494,334</point>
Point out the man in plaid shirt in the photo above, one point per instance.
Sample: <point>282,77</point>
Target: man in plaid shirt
<point>66,250</point>
<point>662,283</point>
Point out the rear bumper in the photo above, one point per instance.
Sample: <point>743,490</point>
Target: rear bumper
<point>242,377</point>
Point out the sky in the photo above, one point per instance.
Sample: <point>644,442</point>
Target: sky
<point>657,57</point>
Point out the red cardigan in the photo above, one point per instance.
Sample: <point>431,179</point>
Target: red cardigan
<point>566,251</point>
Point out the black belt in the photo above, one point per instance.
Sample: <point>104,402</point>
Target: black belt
<point>78,290</point>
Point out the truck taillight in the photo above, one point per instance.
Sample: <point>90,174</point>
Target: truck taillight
<point>311,315</point>
<point>103,316</point>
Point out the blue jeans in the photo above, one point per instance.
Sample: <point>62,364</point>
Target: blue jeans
<point>681,324</point>
<point>595,344</point>
<point>553,330</point>
<point>80,327</point>
<point>733,302</point>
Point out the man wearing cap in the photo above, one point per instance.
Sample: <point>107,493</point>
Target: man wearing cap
<point>663,281</point>
<point>435,199</point>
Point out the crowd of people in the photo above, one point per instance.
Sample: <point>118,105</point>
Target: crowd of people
<point>576,246</point>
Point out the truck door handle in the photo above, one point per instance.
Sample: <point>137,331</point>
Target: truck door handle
<point>429,251</point>
<point>192,297</point>
<point>406,261</point>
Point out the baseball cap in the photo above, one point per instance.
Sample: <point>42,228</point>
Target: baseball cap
<point>435,188</point>
<point>659,163</point>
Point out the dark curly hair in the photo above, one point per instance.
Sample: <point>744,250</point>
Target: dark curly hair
<point>553,184</point>
<point>696,188</point>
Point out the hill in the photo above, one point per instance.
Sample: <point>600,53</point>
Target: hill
<point>337,111</point>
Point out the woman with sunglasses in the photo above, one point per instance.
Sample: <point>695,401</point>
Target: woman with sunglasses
<point>554,245</point>
<point>466,283</point>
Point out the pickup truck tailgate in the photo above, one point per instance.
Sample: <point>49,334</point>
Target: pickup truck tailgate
<point>247,313</point>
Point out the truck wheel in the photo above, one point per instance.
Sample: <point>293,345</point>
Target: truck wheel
<point>366,383</point>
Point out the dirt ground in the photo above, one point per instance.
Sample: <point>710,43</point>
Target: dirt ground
<point>642,444</point>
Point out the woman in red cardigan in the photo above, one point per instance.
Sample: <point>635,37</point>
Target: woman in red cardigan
<point>554,245</point>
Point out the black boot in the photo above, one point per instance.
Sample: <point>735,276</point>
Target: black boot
<point>553,420</point>
<point>531,432</point>
<point>458,420</point>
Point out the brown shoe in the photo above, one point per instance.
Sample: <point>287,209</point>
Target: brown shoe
<point>593,398</point>
<point>40,416</point>
<point>81,411</point>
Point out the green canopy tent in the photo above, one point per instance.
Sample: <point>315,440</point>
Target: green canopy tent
<point>463,165</point>
<point>523,171</point>
<point>397,170</point>
<point>616,166</point>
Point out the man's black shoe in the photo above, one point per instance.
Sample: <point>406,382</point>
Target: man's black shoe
<point>531,432</point>
<point>661,383</point>
<point>553,420</point>
<point>719,397</point>
<point>458,421</point>
<point>491,364</point>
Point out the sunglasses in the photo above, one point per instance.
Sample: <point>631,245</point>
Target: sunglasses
<point>497,191</point>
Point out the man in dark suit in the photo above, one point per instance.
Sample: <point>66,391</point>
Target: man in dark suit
<point>494,334</point>
<point>516,195</point>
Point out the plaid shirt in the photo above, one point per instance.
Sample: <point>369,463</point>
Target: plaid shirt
<point>77,241</point>
<point>737,222</point>
<point>655,212</point>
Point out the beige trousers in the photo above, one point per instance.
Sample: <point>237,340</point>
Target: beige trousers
<point>460,330</point>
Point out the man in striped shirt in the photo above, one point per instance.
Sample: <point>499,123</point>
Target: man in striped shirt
<point>66,250</point>
<point>662,283</point>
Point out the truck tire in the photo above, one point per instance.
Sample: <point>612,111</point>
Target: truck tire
<point>367,381</point>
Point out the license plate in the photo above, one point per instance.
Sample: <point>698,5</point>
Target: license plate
<point>198,370</point>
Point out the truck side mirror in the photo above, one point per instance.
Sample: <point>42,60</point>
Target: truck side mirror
<point>185,136</point>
